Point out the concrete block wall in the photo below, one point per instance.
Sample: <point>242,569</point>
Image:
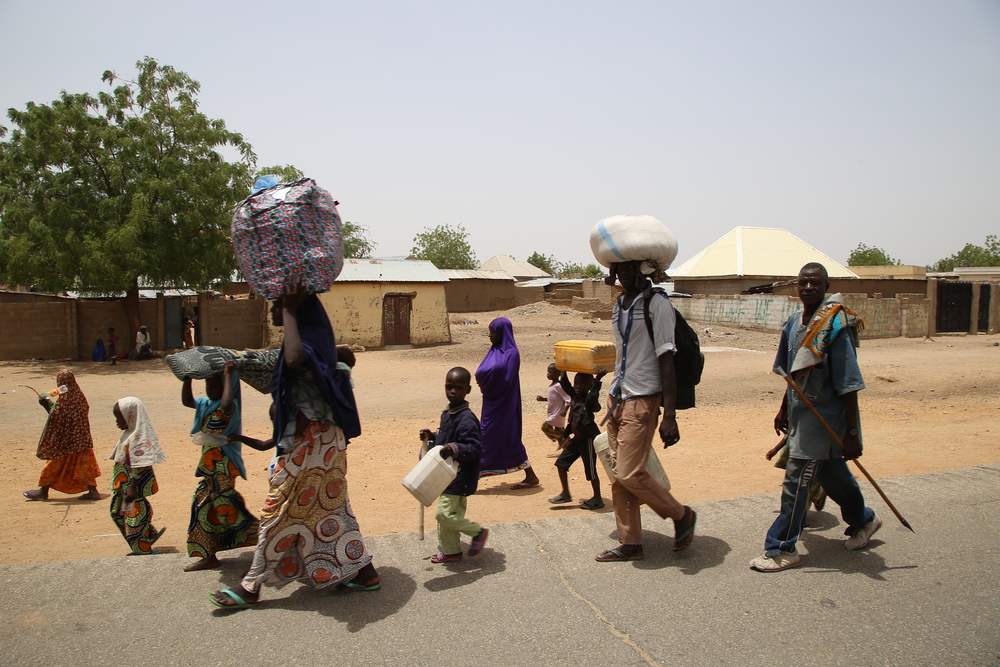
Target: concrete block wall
<point>232,323</point>
<point>94,317</point>
<point>43,329</point>
<point>883,318</point>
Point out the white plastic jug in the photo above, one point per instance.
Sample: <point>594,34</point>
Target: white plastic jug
<point>431,476</point>
<point>653,465</point>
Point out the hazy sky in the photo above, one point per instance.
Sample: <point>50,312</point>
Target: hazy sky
<point>527,122</point>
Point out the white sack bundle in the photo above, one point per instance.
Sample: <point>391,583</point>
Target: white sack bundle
<point>625,238</point>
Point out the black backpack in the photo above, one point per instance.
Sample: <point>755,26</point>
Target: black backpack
<point>689,362</point>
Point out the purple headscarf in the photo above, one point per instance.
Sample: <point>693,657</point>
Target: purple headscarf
<point>321,357</point>
<point>497,377</point>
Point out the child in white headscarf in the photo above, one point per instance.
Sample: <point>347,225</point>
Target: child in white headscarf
<point>132,481</point>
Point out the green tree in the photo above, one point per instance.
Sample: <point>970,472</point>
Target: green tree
<point>357,244</point>
<point>97,193</point>
<point>987,254</point>
<point>570,269</point>
<point>593,271</point>
<point>286,173</point>
<point>446,246</point>
<point>870,256</point>
<point>547,264</point>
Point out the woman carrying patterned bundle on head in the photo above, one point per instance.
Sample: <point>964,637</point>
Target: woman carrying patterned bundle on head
<point>66,444</point>
<point>498,379</point>
<point>219,517</point>
<point>308,531</point>
<point>133,481</point>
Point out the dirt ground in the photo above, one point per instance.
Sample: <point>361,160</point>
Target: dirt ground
<point>929,405</point>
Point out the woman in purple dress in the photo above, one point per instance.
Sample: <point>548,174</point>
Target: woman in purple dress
<point>497,377</point>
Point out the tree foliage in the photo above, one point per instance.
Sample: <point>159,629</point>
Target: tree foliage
<point>547,264</point>
<point>446,246</point>
<point>987,254</point>
<point>96,192</point>
<point>870,256</point>
<point>357,243</point>
<point>286,173</point>
<point>593,271</point>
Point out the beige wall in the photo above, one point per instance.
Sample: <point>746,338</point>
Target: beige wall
<point>474,295</point>
<point>68,328</point>
<point>355,310</point>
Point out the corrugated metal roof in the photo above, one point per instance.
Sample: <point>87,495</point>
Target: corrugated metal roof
<point>390,271</point>
<point>466,274</point>
<point>757,251</point>
<point>514,268</point>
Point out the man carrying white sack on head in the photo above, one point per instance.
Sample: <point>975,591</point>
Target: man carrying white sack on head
<point>637,249</point>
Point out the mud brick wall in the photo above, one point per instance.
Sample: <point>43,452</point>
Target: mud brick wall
<point>234,323</point>
<point>43,329</point>
<point>525,295</point>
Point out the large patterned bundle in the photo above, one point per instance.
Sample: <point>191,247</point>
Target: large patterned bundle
<point>286,234</point>
<point>205,361</point>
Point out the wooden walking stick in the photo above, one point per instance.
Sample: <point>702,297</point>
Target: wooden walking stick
<point>812,408</point>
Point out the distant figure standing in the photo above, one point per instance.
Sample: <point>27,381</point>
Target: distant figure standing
<point>112,346</point>
<point>66,444</point>
<point>188,333</point>
<point>143,349</point>
<point>497,377</point>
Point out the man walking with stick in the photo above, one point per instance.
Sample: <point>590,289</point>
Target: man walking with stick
<point>817,350</point>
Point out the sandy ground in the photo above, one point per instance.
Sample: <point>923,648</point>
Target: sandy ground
<point>929,405</point>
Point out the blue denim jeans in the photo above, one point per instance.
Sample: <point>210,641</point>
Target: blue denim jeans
<point>840,487</point>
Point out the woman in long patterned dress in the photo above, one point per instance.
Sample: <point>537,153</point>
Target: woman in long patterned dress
<point>308,531</point>
<point>66,444</point>
<point>498,378</point>
<point>219,517</point>
<point>132,480</point>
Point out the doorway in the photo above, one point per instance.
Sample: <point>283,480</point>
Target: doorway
<point>396,319</point>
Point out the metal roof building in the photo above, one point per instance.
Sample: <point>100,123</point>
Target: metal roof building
<point>519,270</point>
<point>390,271</point>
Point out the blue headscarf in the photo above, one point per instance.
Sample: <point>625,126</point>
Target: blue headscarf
<point>206,406</point>
<point>98,353</point>
<point>321,358</point>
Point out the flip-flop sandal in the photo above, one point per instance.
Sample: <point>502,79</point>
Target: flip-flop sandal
<point>154,552</point>
<point>348,586</point>
<point>445,558</point>
<point>158,535</point>
<point>684,530</point>
<point>560,499</point>
<point>617,556</point>
<point>525,485</point>
<point>479,542</point>
<point>592,504</point>
<point>239,603</point>
<point>34,495</point>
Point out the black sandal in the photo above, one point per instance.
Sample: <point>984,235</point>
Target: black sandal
<point>684,529</point>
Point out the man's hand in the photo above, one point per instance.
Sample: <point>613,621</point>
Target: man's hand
<point>852,447</point>
<point>781,420</point>
<point>669,433</point>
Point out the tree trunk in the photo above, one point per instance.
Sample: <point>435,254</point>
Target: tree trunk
<point>132,313</point>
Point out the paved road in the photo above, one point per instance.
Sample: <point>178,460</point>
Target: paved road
<point>537,597</point>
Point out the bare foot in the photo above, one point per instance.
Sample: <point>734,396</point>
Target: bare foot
<point>206,563</point>
<point>93,494</point>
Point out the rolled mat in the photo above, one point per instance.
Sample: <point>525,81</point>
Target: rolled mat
<point>205,361</point>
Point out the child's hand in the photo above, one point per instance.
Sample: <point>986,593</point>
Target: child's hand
<point>426,435</point>
<point>450,450</point>
<point>774,450</point>
<point>292,296</point>
<point>230,366</point>
<point>42,401</point>
<point>600,374</point>
<point>540,398</point>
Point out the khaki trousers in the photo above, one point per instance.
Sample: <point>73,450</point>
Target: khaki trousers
<point>631,429</point>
